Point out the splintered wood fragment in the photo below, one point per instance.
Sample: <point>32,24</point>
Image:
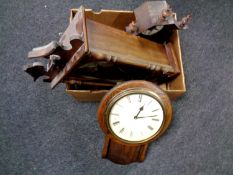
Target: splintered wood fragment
<point>184,21</point>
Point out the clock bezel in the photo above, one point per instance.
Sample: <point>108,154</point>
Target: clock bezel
<point>121,95</point>
<point>146,86</point>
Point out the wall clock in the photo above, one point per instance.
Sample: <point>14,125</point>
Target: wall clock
<point>132,115</point>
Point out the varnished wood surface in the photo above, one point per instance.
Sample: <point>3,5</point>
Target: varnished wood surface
<point>115,18</point>
<point>178,84</point>
<point>107,41</point>
<point>123,154</point>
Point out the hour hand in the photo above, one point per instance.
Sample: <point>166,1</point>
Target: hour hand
<point>147,116</point>
<point>141,109</point>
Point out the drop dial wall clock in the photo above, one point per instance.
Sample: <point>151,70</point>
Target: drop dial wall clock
<point>132,115</point>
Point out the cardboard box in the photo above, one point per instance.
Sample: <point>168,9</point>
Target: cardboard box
<point>120,19</point>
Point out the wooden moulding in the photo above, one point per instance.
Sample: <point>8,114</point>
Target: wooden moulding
<point>120,19</point>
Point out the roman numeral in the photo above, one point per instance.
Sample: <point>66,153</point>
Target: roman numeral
<point>128,99</point>
<point>116,123</point>
<point>140,98</point>
<point>115,114</point>
<point>131,134</point>
<point>154,115</point>
<point>150,127</point>
<point>122,130</point>
<point>149,102</point>
<point>154,119</point>
<point>155,110</point>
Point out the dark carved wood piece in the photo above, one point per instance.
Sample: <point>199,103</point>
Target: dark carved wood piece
<point>94,39</point>
<point>68,67</point>
<point>36,70</point>
<point>151,16</point>
<point>43,51</point>
<point>62,55</point>
<point>74,31</point>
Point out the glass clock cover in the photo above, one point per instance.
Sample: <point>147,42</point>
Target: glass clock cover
<point>136,117</point>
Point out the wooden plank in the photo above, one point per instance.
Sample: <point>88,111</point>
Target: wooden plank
<point>111,44</point>
<point>69,66</point>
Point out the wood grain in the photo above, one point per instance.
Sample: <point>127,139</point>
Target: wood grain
<point>123,154</point>
<point>107,41</point>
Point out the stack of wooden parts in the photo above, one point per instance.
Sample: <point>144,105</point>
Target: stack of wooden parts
<point>108,41</point>
<point>100,50</point>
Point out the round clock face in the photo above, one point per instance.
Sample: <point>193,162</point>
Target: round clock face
<point>136,117</point>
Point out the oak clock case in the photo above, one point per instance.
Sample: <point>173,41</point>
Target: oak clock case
<point>131,116</point>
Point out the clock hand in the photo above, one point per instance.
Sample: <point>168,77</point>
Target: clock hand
<point>147,116</point>
<point>140,109</point>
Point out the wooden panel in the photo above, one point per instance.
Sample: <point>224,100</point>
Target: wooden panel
<point>178,84</point>
<point>87,95</point>
<point>107,41</point>
<point>123,154</point>
<point>174,94</point>
<point>115,18</point>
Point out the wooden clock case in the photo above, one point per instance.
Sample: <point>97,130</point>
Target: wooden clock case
<point>120,19</point>
<point>120,151</point>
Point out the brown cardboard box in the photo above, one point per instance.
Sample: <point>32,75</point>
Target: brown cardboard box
<point>120,19</point>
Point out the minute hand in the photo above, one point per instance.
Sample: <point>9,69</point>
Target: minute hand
<point>147,116</point>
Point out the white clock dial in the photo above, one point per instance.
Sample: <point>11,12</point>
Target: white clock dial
<point>136,117</point>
